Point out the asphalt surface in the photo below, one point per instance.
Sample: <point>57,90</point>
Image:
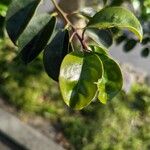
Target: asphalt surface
<point>134,57</point>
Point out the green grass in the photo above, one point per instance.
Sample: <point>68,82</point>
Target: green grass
<point>27,87</point>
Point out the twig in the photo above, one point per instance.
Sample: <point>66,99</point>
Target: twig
<point>65,16</point>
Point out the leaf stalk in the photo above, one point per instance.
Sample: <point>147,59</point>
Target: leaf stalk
<point>65,17</point>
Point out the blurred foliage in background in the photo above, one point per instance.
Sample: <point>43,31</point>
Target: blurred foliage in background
<point>124,123</point>
<point>120,125</point>
<point>3,9</point>
<point>25,87</point>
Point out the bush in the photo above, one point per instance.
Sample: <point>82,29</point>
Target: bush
<point>27,88</point>
<point>122,124</point>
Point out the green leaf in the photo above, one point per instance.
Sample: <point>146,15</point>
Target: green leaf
<point>98,49</point>
<point>145,52</point>
<point>111,82</point>
<point>2,20</point>
<point>129,45</point>
<point>102,37</point>
<point>78,76</point>
<point>116,2</point>
<point>55,52</point>
<point>36,36</point>
<point>121,38</point>
<point>116,17</point>
<point>5,2</point>
<point>3,10</point>
<point>105,2</point>
<point>18,16</point>
<point>146,40</point>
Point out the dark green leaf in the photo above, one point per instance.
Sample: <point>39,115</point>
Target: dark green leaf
<point>116,2</point>
<point>18,16</point>
<point>115,31</point>
<point>146,40</point>
<point>102,37</point>
<point>55,52</point>
<point>105,2</point>
<point>5,2</point>
<point>36,36</point>
<point>129,45</point>
<point>145,52</point>
<point>2,20</point>
<point>120,39</point>
<point>111,82</point>
<point>116,17</point>
<point>78,76</point>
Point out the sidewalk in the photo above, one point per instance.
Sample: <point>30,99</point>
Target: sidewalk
<point>13,133</point>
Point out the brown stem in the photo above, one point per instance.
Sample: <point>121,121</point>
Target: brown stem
<point>80,39</point>
<point>64,15</point>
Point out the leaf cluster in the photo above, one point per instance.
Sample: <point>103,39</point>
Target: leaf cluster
<point>84,73</point>
<point>142,11</point>
<point>3,9</point>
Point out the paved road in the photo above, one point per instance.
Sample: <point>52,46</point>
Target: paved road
<point>3,146</point>
<point>6,143</point>
<point>19,136</point>
<point>132,57</point>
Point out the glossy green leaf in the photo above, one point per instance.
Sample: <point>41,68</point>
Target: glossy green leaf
<point>55,52</point>
<point>3,10</point>
<point>98,49</point>
<point>111,82</point>
<point>36,36</point>
<point>18,16</point>
<point>102,37</point>
<point>116,17</point>
<point>78,76</point>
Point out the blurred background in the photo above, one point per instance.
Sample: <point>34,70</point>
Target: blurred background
<point>28,94</point>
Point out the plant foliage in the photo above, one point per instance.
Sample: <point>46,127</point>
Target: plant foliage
<point>142,11</point>
<point>83,73</point>
<point>3,10</point>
